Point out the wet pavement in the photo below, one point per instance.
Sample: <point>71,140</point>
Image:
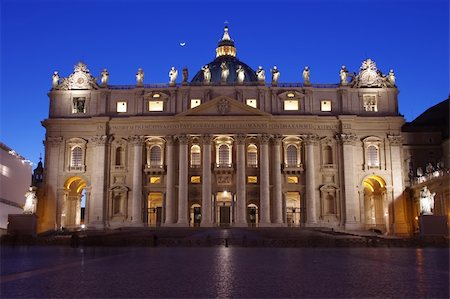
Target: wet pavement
<point>224,272</point>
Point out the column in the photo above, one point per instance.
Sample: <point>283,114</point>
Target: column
<point>311,215</point>
<point>276,169</point>
<point>264,196</point>
<point>398,208</point>
<point>51,216</point>
<point>241,200</point>
<point>169,211</point>
<point>97,200</point>
<point>136,192</point>
<point>183,181</point>
<point>206,181</point>
<point>352,218</point>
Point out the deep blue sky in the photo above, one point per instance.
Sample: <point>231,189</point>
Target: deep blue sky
<point>39,37</point>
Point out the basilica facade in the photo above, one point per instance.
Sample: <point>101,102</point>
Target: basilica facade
<point>228,147</point>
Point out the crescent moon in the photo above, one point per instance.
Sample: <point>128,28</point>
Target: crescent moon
<point>182,44</point>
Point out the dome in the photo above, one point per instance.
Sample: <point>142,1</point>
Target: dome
<point>226,53</point>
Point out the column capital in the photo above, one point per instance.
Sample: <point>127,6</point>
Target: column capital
<point>348,139</point>
<point>53,141</point>
<point>206,139</point>
<point>183,139</point>
<point>277,139</point>
<point>395,139</point>
<point>264,138</point>
<point>99,140</point>
<point>310,139</point>
<point>240,138</point>
<point>169,139</point>
<point>136,140</point>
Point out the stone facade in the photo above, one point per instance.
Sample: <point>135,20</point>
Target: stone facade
<point>216,152</point>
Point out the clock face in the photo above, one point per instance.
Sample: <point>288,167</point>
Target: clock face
<point>369,78</point>
<point>80,81</point>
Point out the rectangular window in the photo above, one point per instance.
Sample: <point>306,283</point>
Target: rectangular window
<point>252,179</point>
<point>325,105</point>
<point>251,102</point>
<point>292,180</point>
<point>121,106</point>
<point>79,105</point>
<point>291,105</point>
<point>370,102</point>
<point>195,179</point>
<point>195,103</point>
<point>156,106</point>
<point>155,180</point>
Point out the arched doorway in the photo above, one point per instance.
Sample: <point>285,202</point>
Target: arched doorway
<point>375,205</point>
<point>74,203</point>
<point>293,208</point>
<point>154,209</point>
<point>195,215</point>
<point>252,215</point>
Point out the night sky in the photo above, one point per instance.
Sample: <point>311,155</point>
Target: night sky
<point>39,37</point>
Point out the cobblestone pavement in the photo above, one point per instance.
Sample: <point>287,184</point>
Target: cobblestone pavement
<point>224,272</point>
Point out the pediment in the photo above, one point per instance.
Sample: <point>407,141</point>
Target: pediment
<point>224,106</point>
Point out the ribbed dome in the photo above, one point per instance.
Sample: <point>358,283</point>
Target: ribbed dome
<point>226,52</point>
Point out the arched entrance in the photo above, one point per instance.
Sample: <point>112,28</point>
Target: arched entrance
<point>375,205</point>
<point>74,203</point>
<point>195,215</point>
<point>293,208</point>
<point>224,208</point>
<point>252,215</point>
<point>154,209</point>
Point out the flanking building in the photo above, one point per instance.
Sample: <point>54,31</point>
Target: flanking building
<point>228,147</point>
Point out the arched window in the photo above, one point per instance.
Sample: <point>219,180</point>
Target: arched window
<point>252,156</point>
<point>155,156</point>
<point>372,156</point>
<point>76,158</point>
<point>327,155</point>
<point>195,155</point>
<point>224,155</point>
<point>291,155</point>
<point>119,156</point>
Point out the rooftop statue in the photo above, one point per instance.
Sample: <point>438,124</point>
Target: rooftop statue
<point>275,75</point>
<point>185,75</point>
<point>391,78</point>
<point>173,74</point>
<point>343,74</point>
<point>105,77</point>
<point>306,78</point>
<point>206,74</point>
<point>140,77</point>
<point>426,201</point>
<point>240,74</point>
<point>55,79</point>
<point>261,75</point>
<point>225,71</point>
<point>31,201</point>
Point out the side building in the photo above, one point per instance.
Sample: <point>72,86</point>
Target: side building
<point>225,148</point>
<point>15,179</point>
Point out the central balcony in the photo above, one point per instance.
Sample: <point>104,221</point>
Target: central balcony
<point>223,168</point>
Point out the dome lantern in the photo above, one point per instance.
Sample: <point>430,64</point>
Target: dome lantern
<point>226,45</point>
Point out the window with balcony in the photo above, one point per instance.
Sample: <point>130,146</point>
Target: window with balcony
<point>155,156</point>
<point>195,156</point>
<point>224,156</point>
<point>291,156</point>
<point>252,156</point>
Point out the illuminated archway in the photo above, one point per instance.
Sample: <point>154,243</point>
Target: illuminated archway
<point>375,205</point>
<point>196,215</point>
<point>74,203</point>
<point>154,211</point>
<point>293,208</point>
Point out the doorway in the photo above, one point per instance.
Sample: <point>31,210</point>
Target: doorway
<point>154,209</point>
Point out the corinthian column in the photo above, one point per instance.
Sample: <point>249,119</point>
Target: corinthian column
<point>136,192</point>
<point>206,181</point>
<point>310,141</point>
<point>264,196</point>
<point>241,201</point>
<point>183,181</point>
<point>276,169</point>
<point>169,211</point>
<point>97,202</point>
<point>352,217</point>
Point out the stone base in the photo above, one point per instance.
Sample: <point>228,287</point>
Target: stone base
<point>433,226</point>
<point>353,226</point>
<point>22,224</point>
